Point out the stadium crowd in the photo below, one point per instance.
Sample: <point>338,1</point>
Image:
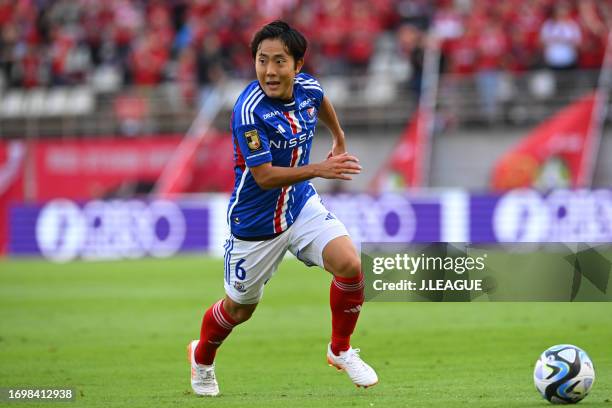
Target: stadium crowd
<point>62,42</point>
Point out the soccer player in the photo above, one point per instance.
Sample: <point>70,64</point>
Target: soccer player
<point>274,208</point>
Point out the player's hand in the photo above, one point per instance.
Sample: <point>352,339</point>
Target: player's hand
<point>339,167</point>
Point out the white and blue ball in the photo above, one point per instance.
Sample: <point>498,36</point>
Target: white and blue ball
<point>564,374</point>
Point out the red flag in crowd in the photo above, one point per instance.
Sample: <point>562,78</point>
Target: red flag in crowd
<point>555,154</point>
<point>405,167</point>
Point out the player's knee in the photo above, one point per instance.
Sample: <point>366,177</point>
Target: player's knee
<point>238,312</point>
<point>348,267</point>
<point>242,315</point>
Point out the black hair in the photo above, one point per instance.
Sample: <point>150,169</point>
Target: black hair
<point>292,39</point>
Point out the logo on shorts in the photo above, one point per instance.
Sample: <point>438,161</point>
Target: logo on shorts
<point>253,141</point>
<point>239,287</point>
<point>330,216</point>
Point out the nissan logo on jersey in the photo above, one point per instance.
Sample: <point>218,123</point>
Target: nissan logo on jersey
<point>291,143</point>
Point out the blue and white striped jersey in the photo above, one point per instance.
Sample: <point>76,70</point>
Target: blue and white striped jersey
<point>269,130</point>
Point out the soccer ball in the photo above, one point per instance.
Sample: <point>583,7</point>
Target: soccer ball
<point>564,374</point>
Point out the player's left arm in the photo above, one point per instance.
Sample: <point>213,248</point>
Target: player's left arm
<point>328,116</point>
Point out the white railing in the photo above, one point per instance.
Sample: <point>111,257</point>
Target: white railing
<point>371,102</point>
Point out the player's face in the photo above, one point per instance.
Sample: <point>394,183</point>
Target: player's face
<point>276,69</point>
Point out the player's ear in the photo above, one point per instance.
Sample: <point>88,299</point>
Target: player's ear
<point>298,65</point>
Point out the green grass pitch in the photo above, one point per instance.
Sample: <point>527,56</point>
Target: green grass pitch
<point>118,331</point>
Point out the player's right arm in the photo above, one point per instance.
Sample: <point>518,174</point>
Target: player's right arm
<point>338,167</point>
<point>254,146</point>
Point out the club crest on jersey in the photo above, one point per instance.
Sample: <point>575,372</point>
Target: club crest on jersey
<point>253,141</point>
<point>311,112</point>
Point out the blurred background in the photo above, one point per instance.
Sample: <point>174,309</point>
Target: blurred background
<point>475,120</point>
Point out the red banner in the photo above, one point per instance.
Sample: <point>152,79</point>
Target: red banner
<point>83,169</point>
<point>198,164</point>
<point>406,164</point>
<point>12,160</point>
<point>213,165</point>
<point>555,154</point>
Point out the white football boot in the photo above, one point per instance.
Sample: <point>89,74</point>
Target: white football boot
<point>203,380</point>
<point>361,374</point>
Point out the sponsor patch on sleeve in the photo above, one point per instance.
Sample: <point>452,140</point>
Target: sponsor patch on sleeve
<point>253,141</point>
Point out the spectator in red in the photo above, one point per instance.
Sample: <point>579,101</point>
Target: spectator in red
<point>159,22</point>
<point>61,47</point>
<point>525,47</point>
<point>594,35</point>
<point>186,75</point>
<point>304,19</point>
<point>364,27</point>
<point>522,54</point>
<point>6,12</point>
<point>343,34</point>
<point>148,60</point>
<point>463,54</point>
<point>529,18</point>
<point>492,46</point>
<point>479,16</point>
<point>30,68</point>
<point>333,30</point>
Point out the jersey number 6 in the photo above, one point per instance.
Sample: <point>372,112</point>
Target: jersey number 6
<point>240,271</point>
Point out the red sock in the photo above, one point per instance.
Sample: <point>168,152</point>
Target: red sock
<point>345,299</point>
<point>216,326</point>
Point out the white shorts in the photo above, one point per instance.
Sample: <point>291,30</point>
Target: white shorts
<point>249,265</point>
